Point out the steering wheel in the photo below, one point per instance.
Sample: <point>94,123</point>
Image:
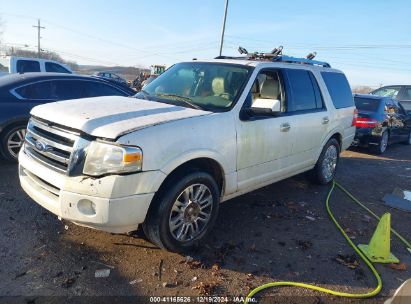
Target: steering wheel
<point>226,95</point>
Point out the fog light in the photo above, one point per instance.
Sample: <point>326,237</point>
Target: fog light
<point>86,207</point>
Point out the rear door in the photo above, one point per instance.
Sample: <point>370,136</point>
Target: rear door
<point>264,143</point>
<point>308,112</point>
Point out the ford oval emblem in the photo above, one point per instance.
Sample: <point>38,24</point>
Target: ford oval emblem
<point>41,146</point>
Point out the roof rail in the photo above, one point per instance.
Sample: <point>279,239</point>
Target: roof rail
<point>289,59</point>
<point>277,55</point>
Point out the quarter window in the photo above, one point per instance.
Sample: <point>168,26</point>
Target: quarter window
<point>339,89</point>
<point>36,91</point>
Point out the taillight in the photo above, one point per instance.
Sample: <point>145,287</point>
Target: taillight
<point>354,118</point>
<point>361,122</point>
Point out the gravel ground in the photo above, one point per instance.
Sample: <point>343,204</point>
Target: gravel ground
<point>280,232</point>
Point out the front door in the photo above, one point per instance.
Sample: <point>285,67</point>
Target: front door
<point>263,142</point>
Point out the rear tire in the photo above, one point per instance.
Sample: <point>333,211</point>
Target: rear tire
<point>326,166</point>
<point>184,214</point>
<point>382,145</point>
<point>12,141</point>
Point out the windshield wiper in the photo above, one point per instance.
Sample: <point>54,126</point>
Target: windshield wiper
<point>186,100</point>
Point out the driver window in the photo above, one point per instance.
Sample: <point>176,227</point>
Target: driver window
<point>267,86</point>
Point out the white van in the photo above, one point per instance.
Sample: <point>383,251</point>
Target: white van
<point>13,64</point>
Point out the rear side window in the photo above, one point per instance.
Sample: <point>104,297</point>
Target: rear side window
<point>36,91</point>
<point>95,89</point>
<point>339,89</point>
<point>367,104</point>
<point>407,93</point>
<point>304,92</point>
<point>26,66</point>
<point>57,68</point>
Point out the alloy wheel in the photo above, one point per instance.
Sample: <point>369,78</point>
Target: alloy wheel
<point>191,212</point>
<point>330,162</point>
<point>15,142</point>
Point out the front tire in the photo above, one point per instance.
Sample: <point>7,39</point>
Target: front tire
<point>184,214</point>
<point>12,141</point>
<point>326,166</point>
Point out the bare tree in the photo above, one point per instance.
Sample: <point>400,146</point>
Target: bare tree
<point>362,89</point>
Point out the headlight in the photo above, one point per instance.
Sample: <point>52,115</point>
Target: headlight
<point>103,158</point>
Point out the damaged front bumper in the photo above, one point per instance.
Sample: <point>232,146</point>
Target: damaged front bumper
<point>114,203</point>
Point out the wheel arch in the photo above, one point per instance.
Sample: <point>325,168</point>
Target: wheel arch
<point>205,164</point>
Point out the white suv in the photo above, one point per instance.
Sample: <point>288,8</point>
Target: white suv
<point>201,133</point>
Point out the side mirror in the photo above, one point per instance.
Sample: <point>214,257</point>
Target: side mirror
<point>262,106</point>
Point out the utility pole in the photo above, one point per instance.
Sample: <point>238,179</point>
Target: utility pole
<point>38,36</point>
<point>223,29</point>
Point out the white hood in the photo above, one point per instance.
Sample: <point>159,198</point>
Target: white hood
<point>111,116</point>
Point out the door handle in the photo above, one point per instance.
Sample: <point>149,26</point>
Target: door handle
<point>325,120</point>
<point>285,127</point>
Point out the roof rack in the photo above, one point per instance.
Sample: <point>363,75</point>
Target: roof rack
<point>289,59</point>
<point>277,56</point>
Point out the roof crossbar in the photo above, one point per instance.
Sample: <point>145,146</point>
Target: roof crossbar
<point>289,59</point>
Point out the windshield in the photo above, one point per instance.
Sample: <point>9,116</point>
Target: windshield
<point>207,86</point>
<point>391,92</point>
<point>367,104</point>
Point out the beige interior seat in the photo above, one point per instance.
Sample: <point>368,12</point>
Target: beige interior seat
<point>270,89</point>
<point>217,86</point>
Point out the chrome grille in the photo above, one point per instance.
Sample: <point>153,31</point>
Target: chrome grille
<point>50,145</point>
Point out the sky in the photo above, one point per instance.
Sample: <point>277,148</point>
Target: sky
<point>370,40</point>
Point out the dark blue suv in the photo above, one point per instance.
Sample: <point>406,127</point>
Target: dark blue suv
<point>19,93</point>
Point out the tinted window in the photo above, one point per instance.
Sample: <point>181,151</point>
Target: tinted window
<point>407,94</point>
<point>95,89</point>
<point>54,67</point>
<point>26,66</point>
<point>303,95</point>
<point>339,89</point>
<point>367,104</point>
<point>40,90</point>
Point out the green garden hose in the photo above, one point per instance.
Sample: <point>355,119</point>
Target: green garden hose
<point>358,251</point>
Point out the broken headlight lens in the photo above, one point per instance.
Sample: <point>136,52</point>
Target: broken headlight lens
<point>105,158</point>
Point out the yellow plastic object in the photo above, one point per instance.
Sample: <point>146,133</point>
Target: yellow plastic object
<point>378,251</point>
<point>358,251</point>
<point>325,290</point>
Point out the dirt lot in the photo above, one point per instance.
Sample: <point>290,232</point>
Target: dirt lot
<point>281,232</point>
